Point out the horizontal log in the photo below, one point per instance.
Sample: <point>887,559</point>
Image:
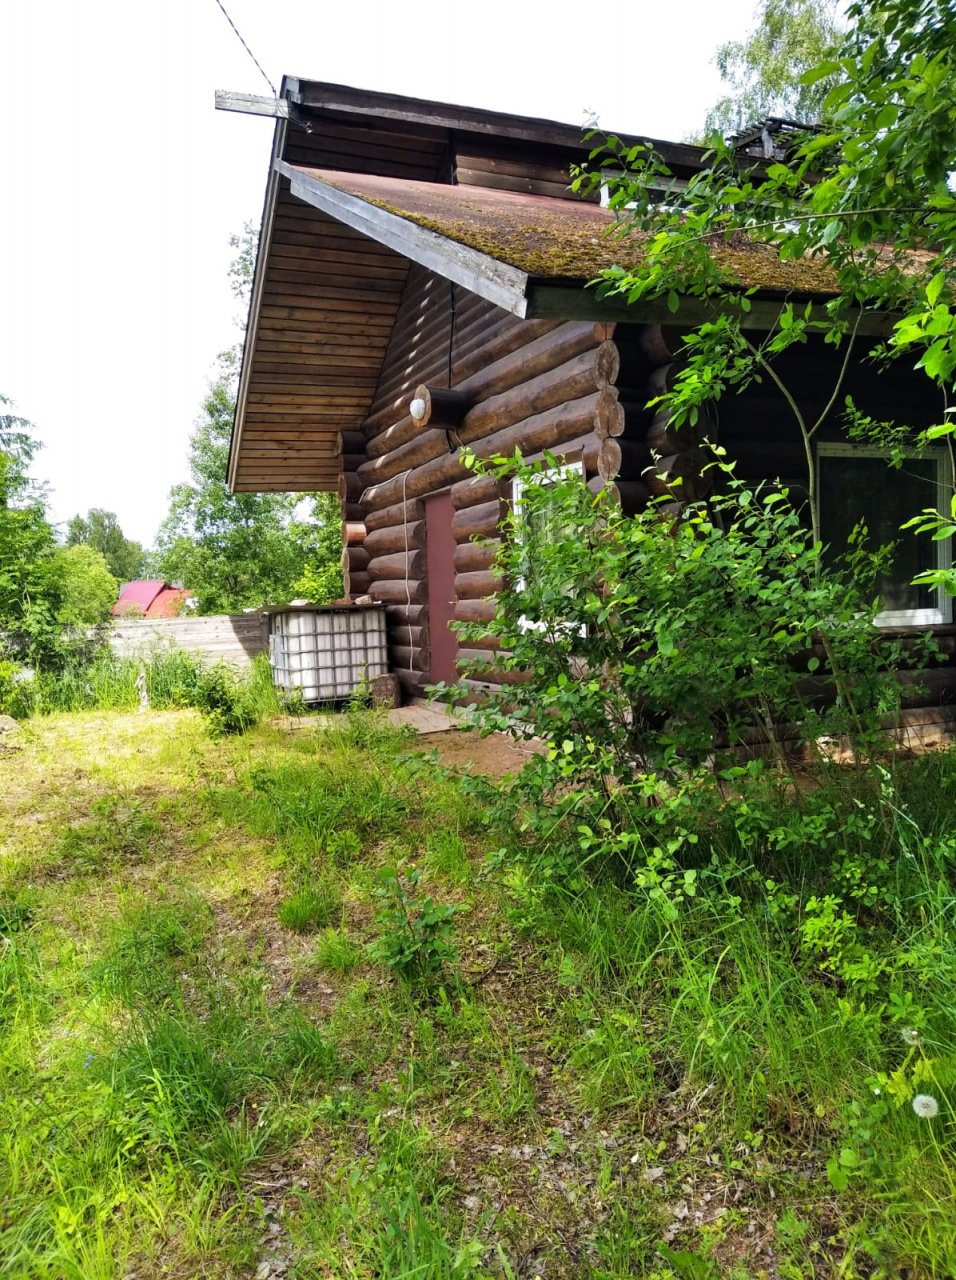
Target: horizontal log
<point>481,664</point>
<point>443,406</point>
<point>680,476</point>
<point>502,354</point>
<point>411,657</point>
<point>478,610</point>
<point>663,437</point>
<point>399,591</point>
<point>352,442</point>
<point>353,514</point>
<point>355,559</point>
<point>632,496</point>
<point>584,373</point>
<point>477,585</point>
<point>358,584</point>
<point>393,437</point>
<point>473,556</point>
<point>663,379</point>
<point>409,637</point>
<point>635,457</point>
<point>409,615</point>
<point>660,343</point>
<point>398,537</point>
<point>395,514</point>
<point>348,461</point>
<point>413,682</point>
<point>354,532</point>
<point>546,350</point>
<point>476,489</point>
<point>582,449</point>
<point>484,640</point>
<point>491,336</point>
<point>398,565</point>
<point>476,522</point>
<point>350,487</point>
<point>427,479</point>
<point>421,448</point>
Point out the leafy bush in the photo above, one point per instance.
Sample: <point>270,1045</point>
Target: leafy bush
<point>414,933</point>
<point>659,652</point>
<point>225,702</point>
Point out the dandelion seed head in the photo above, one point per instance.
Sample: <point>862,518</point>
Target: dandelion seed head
<point>910,1035</point>
<point>926,1106</point>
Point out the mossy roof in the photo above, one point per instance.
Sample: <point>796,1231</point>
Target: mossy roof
<point>552,238</point>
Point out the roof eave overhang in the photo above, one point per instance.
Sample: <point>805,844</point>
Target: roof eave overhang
<point>574,300</point>
<point>497,282</point>
<point>255,299</point>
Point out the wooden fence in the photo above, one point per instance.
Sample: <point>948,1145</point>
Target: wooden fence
<point>233,638</point>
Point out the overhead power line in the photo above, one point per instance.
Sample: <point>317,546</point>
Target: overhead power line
<point>275,93</point>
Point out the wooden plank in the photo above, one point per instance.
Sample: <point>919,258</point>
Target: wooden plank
<point>499,283</point>
<point>252,104</point>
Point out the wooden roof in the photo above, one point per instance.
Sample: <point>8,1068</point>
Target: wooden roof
<point>326,291</point>
<point>360,186</point>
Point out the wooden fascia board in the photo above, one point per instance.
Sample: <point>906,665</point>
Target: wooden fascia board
<point>547,300</point>
<point>255,301</point>
<point>495,281</point>
<point>418,111</point>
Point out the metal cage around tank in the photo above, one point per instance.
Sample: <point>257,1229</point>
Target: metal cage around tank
<point>326,654</point>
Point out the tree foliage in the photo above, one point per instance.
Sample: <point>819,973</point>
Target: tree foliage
<point>869,198</point>
<point>765,70</point>
<point>87,588</point>
<point>30,591</point>
<point>101,531</point>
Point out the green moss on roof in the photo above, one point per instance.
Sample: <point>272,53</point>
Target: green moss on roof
<point>559,239</point>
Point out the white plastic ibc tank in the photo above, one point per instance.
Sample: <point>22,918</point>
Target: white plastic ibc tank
<point>326,654</point>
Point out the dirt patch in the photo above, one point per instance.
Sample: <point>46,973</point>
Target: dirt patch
<point>494,756</point>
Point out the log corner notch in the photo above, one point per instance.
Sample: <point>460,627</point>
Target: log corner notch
<point>439,406</point>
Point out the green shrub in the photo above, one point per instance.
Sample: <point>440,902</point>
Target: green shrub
<point>414,933</point>
<point>225,702</point>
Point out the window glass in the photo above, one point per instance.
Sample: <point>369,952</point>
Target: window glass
<point>859,487</point>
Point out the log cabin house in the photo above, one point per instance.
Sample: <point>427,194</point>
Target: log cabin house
<point>421,285</point>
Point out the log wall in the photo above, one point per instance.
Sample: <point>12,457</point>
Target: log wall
<point>577,389</point>
<point>530,384</point>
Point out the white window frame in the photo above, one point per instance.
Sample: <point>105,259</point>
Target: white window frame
<point>518,486</point>
<point>942,613</point>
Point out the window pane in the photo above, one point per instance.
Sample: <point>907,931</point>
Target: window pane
<point>868,489</point>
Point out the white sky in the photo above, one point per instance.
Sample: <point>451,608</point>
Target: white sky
<point>121,184</point>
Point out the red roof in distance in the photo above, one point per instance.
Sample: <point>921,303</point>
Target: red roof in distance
<point>150,598</point>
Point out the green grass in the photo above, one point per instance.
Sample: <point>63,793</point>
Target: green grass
<point>195,1041</point>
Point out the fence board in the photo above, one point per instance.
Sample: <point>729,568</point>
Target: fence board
<point>233,638</point>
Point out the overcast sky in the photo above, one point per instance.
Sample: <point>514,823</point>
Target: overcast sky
<point>121,184</point>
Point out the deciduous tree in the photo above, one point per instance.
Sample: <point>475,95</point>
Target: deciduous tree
<point>765,70</point>
<point>101,530</point>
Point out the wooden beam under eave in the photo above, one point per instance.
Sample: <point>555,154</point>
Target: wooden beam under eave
<point>571,302</point>
<point>252,104</point>
<point>497,282</point>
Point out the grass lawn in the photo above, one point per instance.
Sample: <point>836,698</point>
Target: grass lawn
<point>230,1048</point>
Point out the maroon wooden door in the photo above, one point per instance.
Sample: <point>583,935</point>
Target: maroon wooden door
<point>440,566</point>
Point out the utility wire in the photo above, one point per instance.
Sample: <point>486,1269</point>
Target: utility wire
<point>247,49</point>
